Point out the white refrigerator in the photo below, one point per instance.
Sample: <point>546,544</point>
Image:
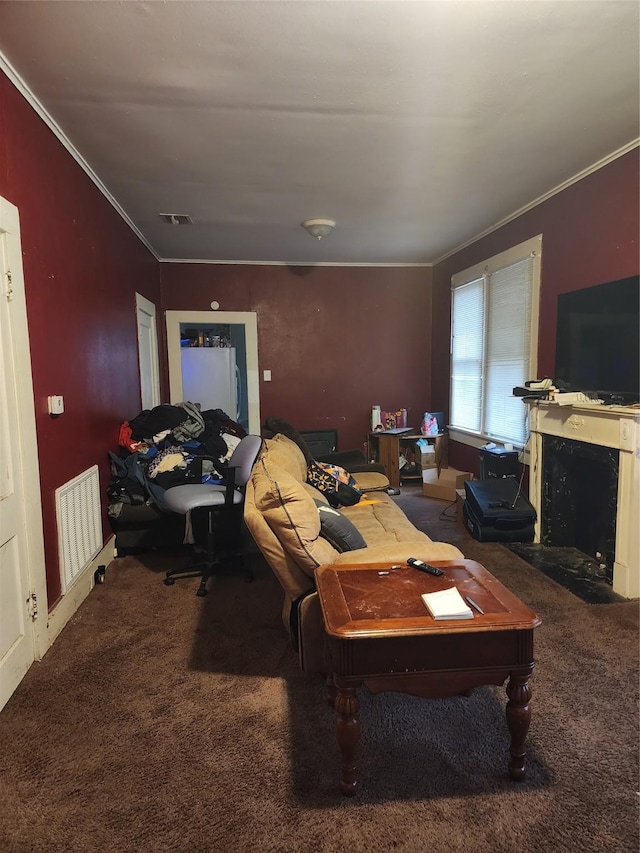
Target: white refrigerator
<point>210,377</point>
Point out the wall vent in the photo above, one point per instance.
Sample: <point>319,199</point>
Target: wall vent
<point>176,218</point>
<point>79,524</point>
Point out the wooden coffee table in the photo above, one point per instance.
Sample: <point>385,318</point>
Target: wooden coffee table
<point>380,634</point>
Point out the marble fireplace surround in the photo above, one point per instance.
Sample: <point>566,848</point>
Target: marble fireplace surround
<point>616,427</point>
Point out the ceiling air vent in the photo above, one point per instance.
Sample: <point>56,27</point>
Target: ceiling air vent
<point>176,218</point>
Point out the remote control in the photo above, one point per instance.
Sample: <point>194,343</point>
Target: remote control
<point>424,567</point>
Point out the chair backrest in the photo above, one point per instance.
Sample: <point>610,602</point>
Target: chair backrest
<point>243,457</point>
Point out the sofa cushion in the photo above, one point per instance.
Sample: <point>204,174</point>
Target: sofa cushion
<point>371,481</point>
<point>291,513</point>
<point>398,552</point>
<point>381,521</point>
<point>338,530</point>
<point>284,453</point>
<point>317,496</point>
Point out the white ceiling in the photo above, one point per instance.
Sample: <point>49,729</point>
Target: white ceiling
<point>415,125</point>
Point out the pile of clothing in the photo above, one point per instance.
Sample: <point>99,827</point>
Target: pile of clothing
<point>168,446</point>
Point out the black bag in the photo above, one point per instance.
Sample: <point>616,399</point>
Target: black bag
<point>495,510</point>
<point>335,491</point>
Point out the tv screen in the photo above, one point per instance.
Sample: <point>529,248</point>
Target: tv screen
<point>597,340</point>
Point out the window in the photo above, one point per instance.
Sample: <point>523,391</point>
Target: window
<point>494,333</point>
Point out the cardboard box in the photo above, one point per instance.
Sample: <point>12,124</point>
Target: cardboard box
<point>431,452</point>
<point>427,457</point>
<point>427,461</point>
<point>444,486</point>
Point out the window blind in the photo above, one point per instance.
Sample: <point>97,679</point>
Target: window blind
<point>493,327</point>
<point>507,361</point>
<point>467,348</point>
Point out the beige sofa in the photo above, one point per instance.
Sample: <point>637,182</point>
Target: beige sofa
<point>281,512</point>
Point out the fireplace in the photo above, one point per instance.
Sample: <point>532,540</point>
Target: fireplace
<point>584,484</point>
<point>579,499</point>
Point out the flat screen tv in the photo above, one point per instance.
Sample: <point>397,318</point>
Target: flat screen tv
<point>597,339</point>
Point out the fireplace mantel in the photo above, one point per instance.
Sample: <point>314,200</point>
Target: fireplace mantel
<point>606,426</point>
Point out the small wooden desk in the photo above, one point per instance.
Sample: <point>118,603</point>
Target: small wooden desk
<point>388,446</point>
<point>380,634</point>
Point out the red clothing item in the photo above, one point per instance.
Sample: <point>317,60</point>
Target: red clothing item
<point>125,440</point>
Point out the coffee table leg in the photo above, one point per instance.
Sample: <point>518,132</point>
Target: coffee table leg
<point>331,690</point>
<point>347,709</point>
<point>518,720</point>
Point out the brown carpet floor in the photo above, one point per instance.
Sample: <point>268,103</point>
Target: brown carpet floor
<point>159,721</point>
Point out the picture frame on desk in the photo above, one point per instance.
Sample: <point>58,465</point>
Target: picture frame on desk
<point>393,420</point>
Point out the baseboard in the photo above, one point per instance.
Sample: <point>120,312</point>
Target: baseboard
<point>69,603</point>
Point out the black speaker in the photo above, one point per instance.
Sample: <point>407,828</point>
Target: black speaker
<point>496,511</point>
<point>498,462</point>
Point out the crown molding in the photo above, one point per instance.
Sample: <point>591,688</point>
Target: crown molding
<point>55,128</point>
<point>288,263</point>
<point>558,189</point>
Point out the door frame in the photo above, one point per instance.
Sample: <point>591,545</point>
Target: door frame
<point>28,444</point>
<point>248,319</point>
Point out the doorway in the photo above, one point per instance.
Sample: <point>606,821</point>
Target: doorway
<point>213,361</point>
<point>148,353</point>
<point>23,602</point>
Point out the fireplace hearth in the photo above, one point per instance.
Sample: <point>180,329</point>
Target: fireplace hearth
<point>571,568</point>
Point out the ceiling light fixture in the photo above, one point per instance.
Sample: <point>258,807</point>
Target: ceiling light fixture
<point>318,228</point>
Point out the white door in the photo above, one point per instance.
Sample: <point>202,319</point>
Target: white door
<point>148,353</point>
<point>248,384</point>
<point>22,577</point>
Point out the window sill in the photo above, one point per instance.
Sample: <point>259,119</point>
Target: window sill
<point>475,440</point>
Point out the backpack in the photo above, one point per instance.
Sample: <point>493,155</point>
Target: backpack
<point>336,484</point>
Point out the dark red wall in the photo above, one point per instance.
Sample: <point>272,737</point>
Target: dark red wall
<point>337,339</point>
<point>82,266</point>
<point>589,235</point>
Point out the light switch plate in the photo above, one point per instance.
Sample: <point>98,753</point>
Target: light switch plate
<point>56,404</point>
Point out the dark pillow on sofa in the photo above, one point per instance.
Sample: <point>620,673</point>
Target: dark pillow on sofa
<point>336,484</point>
<point>273,426</point>
<point>338,530</point>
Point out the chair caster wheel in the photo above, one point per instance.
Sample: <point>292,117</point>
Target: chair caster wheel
<point>202,591</point>
<point>169,581</point>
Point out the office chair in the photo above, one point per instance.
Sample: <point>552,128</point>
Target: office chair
<point>223,506</point>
